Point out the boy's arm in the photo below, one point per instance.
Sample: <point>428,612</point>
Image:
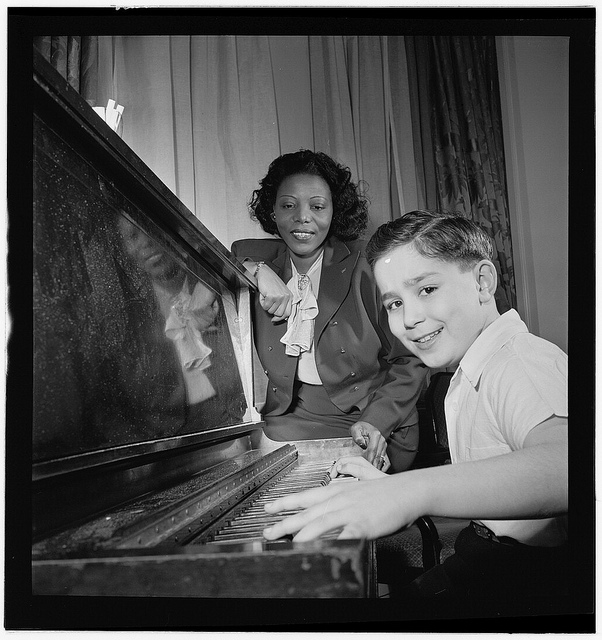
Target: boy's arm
<point>529,483</point>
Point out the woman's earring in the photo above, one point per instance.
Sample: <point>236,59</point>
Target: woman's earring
<point>273,215</point>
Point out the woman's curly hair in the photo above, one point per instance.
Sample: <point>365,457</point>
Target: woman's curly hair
<point>349,204</point>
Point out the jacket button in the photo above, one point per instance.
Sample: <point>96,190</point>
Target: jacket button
<point>354,389</point>
<point>342,350</point>
<point>352,374</point>
<point>270,348</point>
<point>265,371</point>
<point>274,389</point>
<point>334,323</point>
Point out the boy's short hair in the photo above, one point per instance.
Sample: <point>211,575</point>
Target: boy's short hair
<point>450,237</point>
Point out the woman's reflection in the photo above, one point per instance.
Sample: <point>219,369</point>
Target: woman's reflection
<point>195,324</point>
<point>128,346</point>
<point>188,311</point>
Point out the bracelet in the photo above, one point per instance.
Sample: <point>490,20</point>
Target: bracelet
<point>258,266</point>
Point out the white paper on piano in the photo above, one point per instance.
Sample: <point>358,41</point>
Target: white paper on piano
<point>111,114</point>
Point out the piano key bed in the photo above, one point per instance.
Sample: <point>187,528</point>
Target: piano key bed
<point>204,538</point>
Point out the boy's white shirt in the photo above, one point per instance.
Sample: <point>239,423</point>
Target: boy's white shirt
<point>508,382</point>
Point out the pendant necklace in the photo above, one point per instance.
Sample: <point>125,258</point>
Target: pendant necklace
<point>302,281</point>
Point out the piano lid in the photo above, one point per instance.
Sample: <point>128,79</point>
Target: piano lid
<point>142,338</point>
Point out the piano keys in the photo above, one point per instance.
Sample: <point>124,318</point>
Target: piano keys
<point>203,538</point>
<point>150,466</point>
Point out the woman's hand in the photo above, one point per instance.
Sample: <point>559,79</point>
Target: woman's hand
<point>274,296</point>
<point>357,467</point>
<point>372,440</point>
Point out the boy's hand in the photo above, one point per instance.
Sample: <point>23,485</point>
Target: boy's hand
<point>362,509</point>
<point>357,467</point>
<point>372,440</point>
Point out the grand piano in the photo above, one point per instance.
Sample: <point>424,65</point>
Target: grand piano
<point>150,466</point>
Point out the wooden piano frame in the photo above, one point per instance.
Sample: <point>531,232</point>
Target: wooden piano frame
<point>104,520</point>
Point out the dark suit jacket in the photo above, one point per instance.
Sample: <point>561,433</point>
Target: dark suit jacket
<point>360,362</point>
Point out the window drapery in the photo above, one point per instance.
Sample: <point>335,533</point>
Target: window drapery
<point>457,119</point>
<point>209,113</point>
<point>359,98</point>
<point>417,119</point>
<point>76,59</point>
<point>200,111</point>
<point>219,109</point>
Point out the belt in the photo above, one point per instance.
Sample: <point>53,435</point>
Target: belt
<point>487,534</point>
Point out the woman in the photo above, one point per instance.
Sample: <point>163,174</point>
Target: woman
<point>334,369</point>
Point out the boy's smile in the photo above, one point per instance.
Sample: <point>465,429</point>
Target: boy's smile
<point>435,308</point>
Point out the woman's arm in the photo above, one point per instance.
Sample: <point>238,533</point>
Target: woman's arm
<point>529,483</point>
<point>274,296</point>
<point>394,401</point>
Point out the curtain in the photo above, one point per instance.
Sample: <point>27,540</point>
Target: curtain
<point>358,92</point>
<point>416,119</point>
<point>200,111</point>
<point>209,113</point>
<point>76,59</point>
<point>457,119</point>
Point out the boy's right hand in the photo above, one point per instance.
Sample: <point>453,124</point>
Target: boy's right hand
<point>360,509</point>
<point>357,467</point>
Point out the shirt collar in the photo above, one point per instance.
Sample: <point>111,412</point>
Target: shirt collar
<point>491,340</point>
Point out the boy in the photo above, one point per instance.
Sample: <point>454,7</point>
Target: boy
<point>507,419</point>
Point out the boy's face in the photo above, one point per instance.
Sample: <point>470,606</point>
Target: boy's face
<point>434,308</point>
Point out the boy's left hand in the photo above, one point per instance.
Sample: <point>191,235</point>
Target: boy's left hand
<point>357,467</point>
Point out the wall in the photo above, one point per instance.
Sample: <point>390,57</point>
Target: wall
<point>534,92</point>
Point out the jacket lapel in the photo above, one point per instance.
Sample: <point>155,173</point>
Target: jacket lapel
<point>335,281</point>
<point>282,265</point>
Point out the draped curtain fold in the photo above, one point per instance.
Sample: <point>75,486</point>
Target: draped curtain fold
<point>358,84</point>
<point>206,114</point>
<point>456,106</point>
<point>200,111</point>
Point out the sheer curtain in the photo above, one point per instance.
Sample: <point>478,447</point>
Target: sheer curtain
<point>417,119</point>
<point>361,113</point>
<point>209,113</point>
<point>200,111</point>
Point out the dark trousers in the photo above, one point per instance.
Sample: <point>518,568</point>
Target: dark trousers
<point>486,578</point>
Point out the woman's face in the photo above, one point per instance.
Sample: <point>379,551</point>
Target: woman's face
<point>146,253</point>
<point>303,214</point>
